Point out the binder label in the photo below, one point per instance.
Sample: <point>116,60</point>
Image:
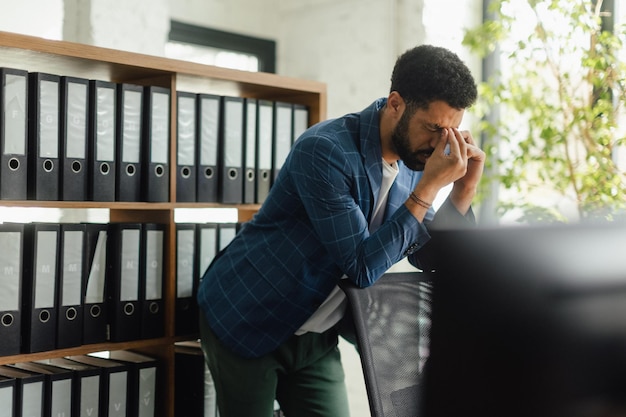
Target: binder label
<point>300,121</point>
<point>10,256</point>
<point>76,120</point>
<point>97,273</point>
<point>209,131</point>
<point>6,399</point>
<point>264,149</point>
<point>184,263</point>
<point>208,248</point>
<point>154,264</point>
<point>227,233</point>
<point>117,394</point>
<point>251,135</point>
<point>131,144</point>
<point>89,396</point>
<point>72,267</point>
<point>49,119</point>
<point>32,399</point>
<point>129,290</point>
<point>186,131</point>
<point>105,124</point>
<point>45,272</point>
<point>283,134</point>
<point>147,386</point>
<point>61,404</point>
<point>14,115</point>
<point>160,133</point>
<point>234,133</point>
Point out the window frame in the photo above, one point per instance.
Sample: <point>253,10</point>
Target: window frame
<point>263,49</point>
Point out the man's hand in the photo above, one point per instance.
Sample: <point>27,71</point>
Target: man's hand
<point>465,187</point>
<point>456,159</point>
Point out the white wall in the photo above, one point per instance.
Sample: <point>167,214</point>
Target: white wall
<point>137,25</point>
<point>43,18</point>
<point>347,44</point>
<point>342,43</point>
<point>350,45</point>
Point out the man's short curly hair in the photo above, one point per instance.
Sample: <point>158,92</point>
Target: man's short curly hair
<point>429,73</point>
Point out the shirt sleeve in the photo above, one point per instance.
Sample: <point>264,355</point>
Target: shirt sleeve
<point>447,217</point>
<point>327,180</point>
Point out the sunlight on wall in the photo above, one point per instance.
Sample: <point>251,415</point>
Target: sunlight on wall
<point>205,215</point>
<point>33,17</point>
<point>52,215</point>
<point>211,56</point>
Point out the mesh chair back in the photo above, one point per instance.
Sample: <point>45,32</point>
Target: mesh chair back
<point>392,321</point>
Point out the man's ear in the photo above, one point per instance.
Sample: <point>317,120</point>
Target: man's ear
<point>396,104</point>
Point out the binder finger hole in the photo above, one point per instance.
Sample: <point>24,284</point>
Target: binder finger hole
<point>14,164</point>
<point>232,173</point>
<point>265,175</point>
<point>208,172</point>
<point>48,165</point>
<point>44,316</point>
<point>130,170</point>
<point>71,313</point>
<point>95,311</point>
<point>185,172</point>
<point>7,319</point>
<point>105,168</point>
<point>250,175</point>
<point>159,170</point>
<point>153,308</point>
<point>129,309</point>
<point>76,167</point>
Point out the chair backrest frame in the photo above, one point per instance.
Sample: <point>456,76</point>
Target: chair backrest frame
<point>392,320</point>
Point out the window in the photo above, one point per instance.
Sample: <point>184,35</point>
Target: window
<point>224,49</point>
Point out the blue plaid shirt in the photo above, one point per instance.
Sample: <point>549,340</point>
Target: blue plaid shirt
<point>311,230</point>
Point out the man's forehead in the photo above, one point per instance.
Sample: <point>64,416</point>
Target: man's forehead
<point>439,116</point>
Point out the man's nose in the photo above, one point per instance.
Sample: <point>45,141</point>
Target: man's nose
<point>436,137</point>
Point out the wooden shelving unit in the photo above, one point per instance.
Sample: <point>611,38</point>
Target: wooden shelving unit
<point>64,58</point>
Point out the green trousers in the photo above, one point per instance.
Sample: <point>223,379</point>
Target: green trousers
<point>305,375</point>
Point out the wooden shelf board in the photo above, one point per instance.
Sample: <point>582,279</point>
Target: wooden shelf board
<point>81,350</point>
<point>68,58</point>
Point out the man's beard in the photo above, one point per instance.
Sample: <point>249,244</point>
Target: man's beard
<point>414,160</point>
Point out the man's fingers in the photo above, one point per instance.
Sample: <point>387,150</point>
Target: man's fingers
<point>467,137</point>
<point>452,142</point>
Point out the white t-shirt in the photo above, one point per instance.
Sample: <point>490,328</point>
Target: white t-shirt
<point>333,308</point>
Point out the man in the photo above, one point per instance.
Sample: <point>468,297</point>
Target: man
<point>352,198</point>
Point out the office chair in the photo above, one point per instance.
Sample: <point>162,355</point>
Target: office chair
<point>392,322</point>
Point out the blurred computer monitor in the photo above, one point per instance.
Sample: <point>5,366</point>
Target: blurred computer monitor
<point>528,321</point>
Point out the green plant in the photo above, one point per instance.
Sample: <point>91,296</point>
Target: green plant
<point>560,95</point>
